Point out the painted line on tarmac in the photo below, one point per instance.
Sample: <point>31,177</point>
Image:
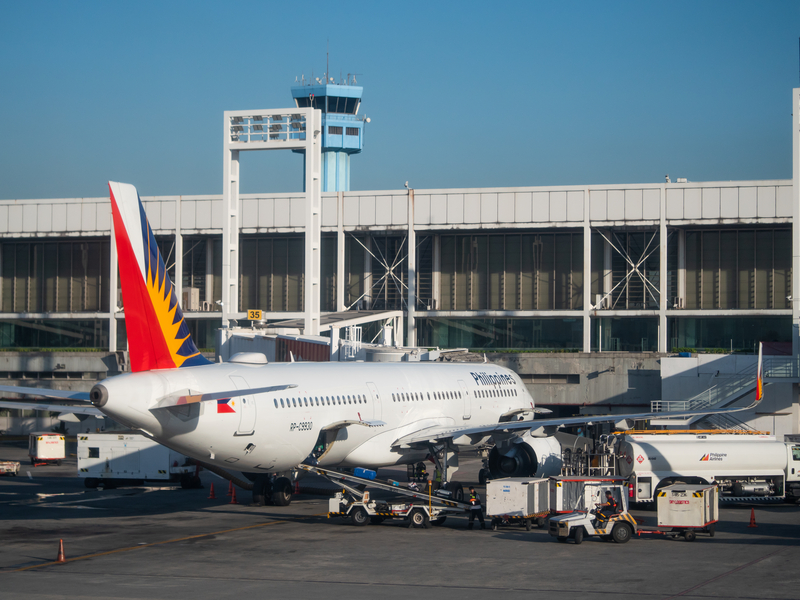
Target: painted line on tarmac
<point>731,572</point>
<point>129,548</point>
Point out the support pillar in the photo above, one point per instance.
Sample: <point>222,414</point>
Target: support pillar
<point>587,275</point>
<point>662,269</point>
<point>412,273</point>
<point>340,250</point>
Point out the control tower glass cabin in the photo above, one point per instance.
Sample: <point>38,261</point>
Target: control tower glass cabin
<point>342,128</point>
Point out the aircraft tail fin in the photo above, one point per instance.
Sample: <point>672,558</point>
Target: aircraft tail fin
<point>158,337</point>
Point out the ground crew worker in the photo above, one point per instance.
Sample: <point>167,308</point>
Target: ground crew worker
<point>475,508</point>
<point>609,507</point>
<point>422,473</point>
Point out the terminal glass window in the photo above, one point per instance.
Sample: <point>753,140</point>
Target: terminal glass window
<point>730,334</point>
<point>54,276</point>
<point>271,273</point>
<point>737,269</point>
<point>512,272</point>
<point>502,334</point>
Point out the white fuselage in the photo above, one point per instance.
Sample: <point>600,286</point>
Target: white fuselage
<point>274,432</point>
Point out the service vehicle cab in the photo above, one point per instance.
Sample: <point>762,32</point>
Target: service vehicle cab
<point>619,526</point>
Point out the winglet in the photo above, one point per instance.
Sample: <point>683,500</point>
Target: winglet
<point>759,376</point>
<point>158,337</point>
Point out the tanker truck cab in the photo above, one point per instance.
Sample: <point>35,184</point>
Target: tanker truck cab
<point>793,472</point>
<point>619,526</point>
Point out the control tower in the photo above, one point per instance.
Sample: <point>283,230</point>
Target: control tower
<point>342,128</point>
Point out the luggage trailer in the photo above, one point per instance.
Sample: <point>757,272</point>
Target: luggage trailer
<point>354,501</point>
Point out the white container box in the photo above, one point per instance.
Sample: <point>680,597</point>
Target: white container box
<point>568,494</point>
<point>116,456</point>
<point>683,505</point>
<point>46,447</point>
<point>517,497</point>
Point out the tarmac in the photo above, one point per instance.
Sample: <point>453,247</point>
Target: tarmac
<point>164,542</point>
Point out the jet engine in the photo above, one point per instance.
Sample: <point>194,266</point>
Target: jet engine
<point>525,456</point>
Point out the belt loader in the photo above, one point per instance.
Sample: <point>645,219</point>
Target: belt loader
<point>354,501</point>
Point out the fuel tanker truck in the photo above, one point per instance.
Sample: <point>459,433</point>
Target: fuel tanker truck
<point>745,466</point>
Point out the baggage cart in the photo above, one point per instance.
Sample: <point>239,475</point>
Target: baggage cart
<point>517,501</point>
<point>685,510</point>
<point>9,467</point>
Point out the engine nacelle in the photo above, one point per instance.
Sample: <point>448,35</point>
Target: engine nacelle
<point>526,456</point>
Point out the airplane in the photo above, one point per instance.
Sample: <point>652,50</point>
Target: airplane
<point>266,419</point>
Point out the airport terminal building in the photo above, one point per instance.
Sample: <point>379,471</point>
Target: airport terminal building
<point>592,273</point>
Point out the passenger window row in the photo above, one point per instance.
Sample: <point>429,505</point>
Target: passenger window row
<point>320,401</point>
<point>418,396</point>
<point>496,393</point>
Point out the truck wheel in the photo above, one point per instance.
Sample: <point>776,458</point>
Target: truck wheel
<point>91,482</point>
<point>282,492</point>
<point>689,536</point>
<point>360,516</point>
<point>418,518</point>
<point>541,522</point>
<point>579,535</point>
<point>712,529</point>
<point>621,533</point>
<point>527,524</point>
<point>456,490</point>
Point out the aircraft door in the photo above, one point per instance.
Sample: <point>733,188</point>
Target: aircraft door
<point>376,401</point>
<point>467,400</point>
<point>246,408</point>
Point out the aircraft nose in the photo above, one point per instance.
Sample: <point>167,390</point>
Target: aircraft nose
<point>98,395</point>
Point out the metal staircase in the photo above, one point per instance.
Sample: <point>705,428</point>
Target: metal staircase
<point>718,396</point>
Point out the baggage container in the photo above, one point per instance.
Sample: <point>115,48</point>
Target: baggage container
<point>517,499</point>
<point>46,447</point>
<point>683,505</point>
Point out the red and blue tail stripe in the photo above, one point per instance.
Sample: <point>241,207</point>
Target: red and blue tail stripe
<point>158,337</point>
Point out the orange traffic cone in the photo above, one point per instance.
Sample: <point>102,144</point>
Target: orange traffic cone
<point>230,489</point>
<point>60,558</point>
<point>752,518</point>
<point>211,496</point>
<point>233,495</point>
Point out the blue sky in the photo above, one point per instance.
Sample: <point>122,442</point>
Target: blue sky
<point>460,94</point>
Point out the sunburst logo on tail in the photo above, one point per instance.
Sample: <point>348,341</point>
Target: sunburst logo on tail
<point>158,337</point>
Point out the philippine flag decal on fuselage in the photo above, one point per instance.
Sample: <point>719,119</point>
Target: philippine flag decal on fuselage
<point>226,405</point>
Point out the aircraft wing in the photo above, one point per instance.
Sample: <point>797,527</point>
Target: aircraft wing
<point>540,427</point>
<point>89,411</point>
<point>190,397</point>
<point>45,393</point>
<point>65,410</point>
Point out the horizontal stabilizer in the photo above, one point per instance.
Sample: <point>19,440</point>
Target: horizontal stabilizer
<point>189,397</point>
<point>45,393</point>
